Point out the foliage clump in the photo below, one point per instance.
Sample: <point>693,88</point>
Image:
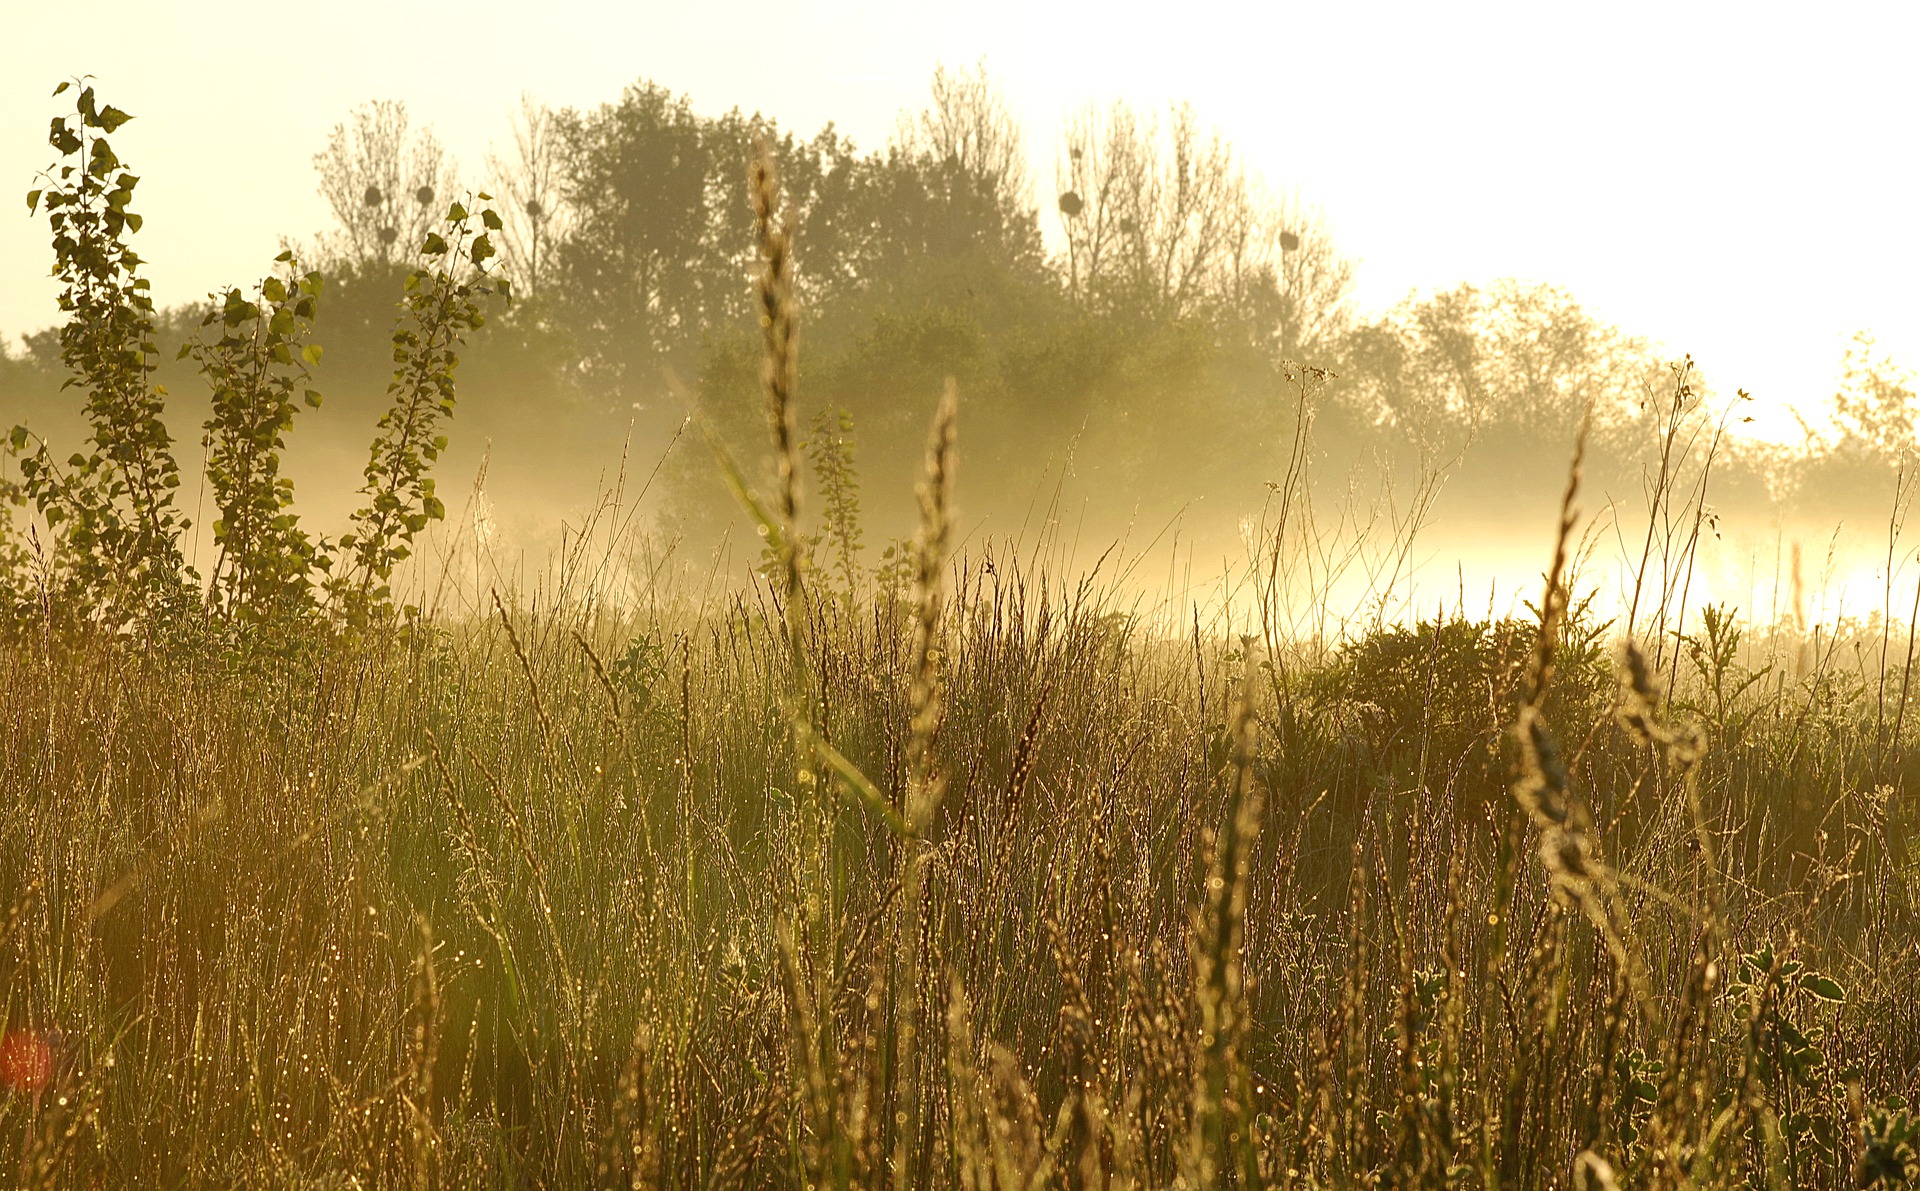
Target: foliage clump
<point>111,556</point>
<point>256,353</point>
<point>111,508</point>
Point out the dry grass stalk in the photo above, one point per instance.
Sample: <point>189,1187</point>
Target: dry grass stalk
<point>423,1057</point>
<point>828,1149</point>
<point>926,789</point>
<point>779,327</point>
<point>1220,1147</point>
<point>636,1125</point>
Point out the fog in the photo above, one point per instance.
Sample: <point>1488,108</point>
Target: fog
<point>1155,342</point>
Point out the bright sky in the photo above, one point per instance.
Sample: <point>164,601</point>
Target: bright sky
<point>1733,180</point>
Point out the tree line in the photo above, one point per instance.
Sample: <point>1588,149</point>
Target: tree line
<point>1132,317</point>
<point>1134,313</point>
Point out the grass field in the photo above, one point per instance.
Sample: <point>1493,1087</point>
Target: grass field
<point>546,900</point>
<point>967,874</point>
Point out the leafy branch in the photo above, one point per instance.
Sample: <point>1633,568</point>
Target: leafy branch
<point>443,305</point>
<point>111,509</point>
<point>260,359</point>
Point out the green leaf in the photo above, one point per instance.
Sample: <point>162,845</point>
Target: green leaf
<point>311,354</point>
<point>61,88</point>
<point>862,789</point>
<point>313,399</point>
<point>456,213</point>
<point>490,220</point>
<point>102,161</point>
<point>284,257</point>
<point>482,249</point>
<point>1823,986</point>
<point>435,246</point>
<point>33,200</point>
<point>112,118</point>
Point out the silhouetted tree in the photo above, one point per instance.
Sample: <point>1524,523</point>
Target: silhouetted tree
<point>658,254</point>
<point>1159,218</point>
<point>922,230</point>
<point>387,183</point>
<point>1875,401</point>
<point>1853,467</point>
<point>641,272</point>
<point>1163,221</point>
<point>1310,284</point>
<point>528,186</point>
<point>1510,359</point>
<point>970,126</point>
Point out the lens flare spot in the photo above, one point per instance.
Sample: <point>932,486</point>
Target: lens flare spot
<point>26,1061</point>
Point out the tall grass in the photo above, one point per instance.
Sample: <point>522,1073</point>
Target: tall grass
<point>481,907</point>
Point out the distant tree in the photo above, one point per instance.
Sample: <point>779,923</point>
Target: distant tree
<point>926,260</point>
<point>1164,221</point>
<point>1157,216</point>
<point>1419,367</point>
<point>970,126</point>
<point>1852,466</point>
<point>529,185</point>
<point>1311,282</point>
<point>944,216</point>
<point>1508,358</point>
<point>387,183</point>
<point>19,367</point>
<point>920,231</point>
<point>1875,401</point>
<point>658,255</point>
<point>915,263</point>
<point>820,176</point>
<point>641,271</point>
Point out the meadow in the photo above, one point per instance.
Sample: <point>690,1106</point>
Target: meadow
<point>962,871</point>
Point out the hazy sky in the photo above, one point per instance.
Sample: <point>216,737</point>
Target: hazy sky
<point>1733,180</point>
